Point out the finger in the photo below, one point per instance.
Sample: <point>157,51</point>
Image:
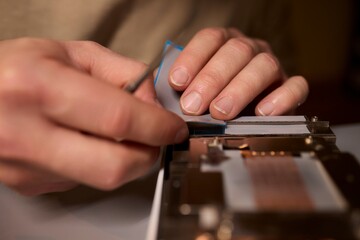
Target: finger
<point>198,52</point>
<point>31,181</point>
<point>102,63</point>
<point>78,157</point>
<point>195,55</point>
<point>285,98</point>
<point>90,160</point>
<point>230,59</point>
<point>79,101</point>
<point>250,82</point>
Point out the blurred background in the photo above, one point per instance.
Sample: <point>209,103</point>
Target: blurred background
<point>326,38</point>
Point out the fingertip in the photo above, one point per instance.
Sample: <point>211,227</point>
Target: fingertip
<point>219,115</point>
<point>303,86</point>
<point>265,108</point>
<point>284,99</point>
<point>182,134</point>
<point>223,108</point>
<point>191,103</point>
<point>224,105</point>
<point>179,78</point>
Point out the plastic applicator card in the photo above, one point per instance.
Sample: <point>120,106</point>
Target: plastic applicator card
<point>205,124</point>
<point>169,98</point>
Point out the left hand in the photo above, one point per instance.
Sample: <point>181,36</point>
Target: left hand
<point>62,104</point>
<point>223,70</point>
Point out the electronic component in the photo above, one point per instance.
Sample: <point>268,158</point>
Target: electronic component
<point>259,178</point>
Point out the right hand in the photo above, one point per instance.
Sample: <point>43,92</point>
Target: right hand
<point>51,93</point>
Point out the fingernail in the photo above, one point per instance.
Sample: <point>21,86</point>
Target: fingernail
<point>191,103</point>
<point>224,105</point>
<point>181,135</point>
<point>266,109</point>
<point>179,76</point>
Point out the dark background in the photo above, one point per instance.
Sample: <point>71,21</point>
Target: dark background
<point>326,37</point>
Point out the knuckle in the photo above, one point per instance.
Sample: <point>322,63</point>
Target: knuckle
<point>149,160</point>
<point>29,42</point>
<point>143,67</point>
<point>290,94</point>
<point>12,78</point>
<point>211,80</point>
<point>271,61</point>
<point>36,45</point>
<point>16,80</point>
<point>218,35</point>
<point>118,122</point>
<point>112,180</point>
<point>241,46</point>
<point>121,173</point>
<point>115,176</point>
<point>303,84</point>
<point>248,85</point>
<point>90,44</point>
<point>300,89</point>
<point>264,44</point>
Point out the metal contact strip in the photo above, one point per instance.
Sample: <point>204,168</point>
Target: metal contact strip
<point>277,184</point>
<point>237,183</point>
<point>318,184</point>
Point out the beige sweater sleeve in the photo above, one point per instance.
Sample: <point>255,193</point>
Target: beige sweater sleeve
<point>135,28</point>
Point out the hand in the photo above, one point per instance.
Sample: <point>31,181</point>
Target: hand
<point>61,106</point>
<point>223,71</point>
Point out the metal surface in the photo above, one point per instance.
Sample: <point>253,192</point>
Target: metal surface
<point>275,186</point>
